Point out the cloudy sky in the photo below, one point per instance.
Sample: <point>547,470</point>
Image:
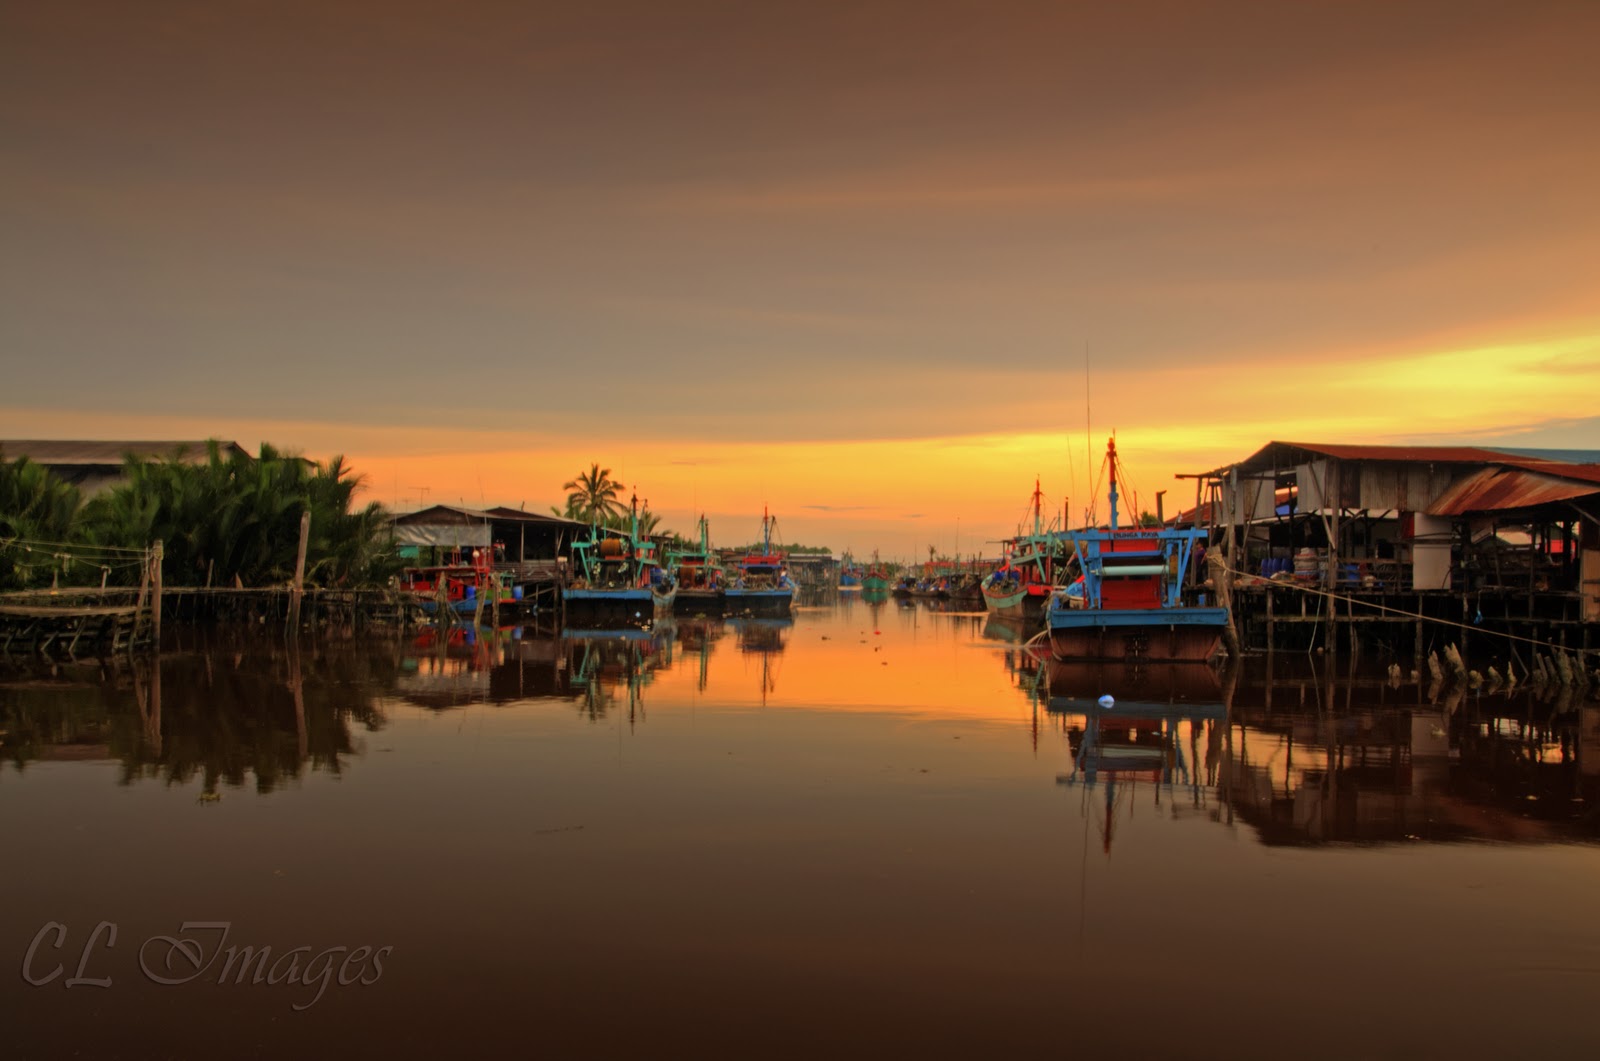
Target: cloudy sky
<point>875,265</point>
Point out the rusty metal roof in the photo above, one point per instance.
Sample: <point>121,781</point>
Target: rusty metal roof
<point>1505,488</point>
<point>1273,455</point>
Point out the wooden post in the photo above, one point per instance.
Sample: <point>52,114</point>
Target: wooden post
<point>1335,490</point>
<point>299,570</point>
<point>1271,623</point>
<point>158,557</point>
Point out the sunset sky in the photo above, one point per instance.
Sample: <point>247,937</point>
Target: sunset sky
<point>856,262</point>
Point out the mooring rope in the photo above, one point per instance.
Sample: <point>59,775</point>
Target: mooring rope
<point>1319,592</point>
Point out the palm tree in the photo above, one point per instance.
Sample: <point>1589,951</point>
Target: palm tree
<point>35,506</point>
<point>592,495</point>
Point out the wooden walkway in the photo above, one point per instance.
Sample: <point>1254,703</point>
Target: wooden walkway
<point>45,630</point>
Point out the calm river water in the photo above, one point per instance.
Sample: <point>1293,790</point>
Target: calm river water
<point>872,829</point>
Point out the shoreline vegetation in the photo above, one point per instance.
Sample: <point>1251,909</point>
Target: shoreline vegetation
<point>225,520</point>
<point>229,519</point>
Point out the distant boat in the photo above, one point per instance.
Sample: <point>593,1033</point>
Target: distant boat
<point>761,584</point>
<point>1137,598</point>
<point>618,575</point>
<point>876,577</point>
<point>849,573</point>
<point>1029,572</point>
<point>699,576</point>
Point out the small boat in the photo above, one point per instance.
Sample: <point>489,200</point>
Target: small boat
<point>876,577</point>
<point>699,576</point>
<point>470,587</point>
<point>618,576</point>
<point>849,573</point>
<point>761,584</point>
<point>1030,570</point>
<point>1138,598</point>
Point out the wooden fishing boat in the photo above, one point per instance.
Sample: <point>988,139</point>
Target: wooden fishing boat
<point>1139,598</point>
<point>618,576</point>
<point>699,576</point>
<point>761,584</point>
<point>1030,570</point>
<point>466,588</point>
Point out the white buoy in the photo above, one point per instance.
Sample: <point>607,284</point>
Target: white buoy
<point>1107,701</point>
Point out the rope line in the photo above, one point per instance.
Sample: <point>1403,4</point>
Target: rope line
<point>1318,592</point>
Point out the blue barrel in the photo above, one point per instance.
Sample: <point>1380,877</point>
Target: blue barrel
<point>516,592</point>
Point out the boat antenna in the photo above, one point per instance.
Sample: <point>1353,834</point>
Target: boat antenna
<point>1088,443</point>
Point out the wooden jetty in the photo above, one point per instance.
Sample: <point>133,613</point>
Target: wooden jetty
<point>61,630</point>
<point>1411,548</point>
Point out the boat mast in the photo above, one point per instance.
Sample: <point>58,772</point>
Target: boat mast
<point>1111,461</point>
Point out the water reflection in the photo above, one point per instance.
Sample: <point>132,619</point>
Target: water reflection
<point>765,639</point>
<point>1369,760</point>
<point>1280,748</point>
<point>221,715</point>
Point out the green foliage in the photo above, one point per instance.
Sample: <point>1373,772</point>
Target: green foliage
<point>35,506</point>
<point>236,519</point>
<point>1148,519</point>
<point>593,496</point>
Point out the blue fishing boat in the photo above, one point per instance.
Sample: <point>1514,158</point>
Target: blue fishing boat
<point>699,576</point>
<point>849,573</point>
<point>1138,598</point>
<point>618,575</point>
<point>761,584</point>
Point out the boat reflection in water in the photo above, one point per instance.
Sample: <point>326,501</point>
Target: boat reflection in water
<point>1150,730</point>
<point>610,667</point>
<point>766,639</point>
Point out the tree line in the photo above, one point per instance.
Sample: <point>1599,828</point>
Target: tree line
<point>228,520</point>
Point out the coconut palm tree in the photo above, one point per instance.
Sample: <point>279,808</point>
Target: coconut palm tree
<point>593,496</point>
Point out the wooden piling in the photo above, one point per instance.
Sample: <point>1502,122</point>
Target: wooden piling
<point>299,571</point>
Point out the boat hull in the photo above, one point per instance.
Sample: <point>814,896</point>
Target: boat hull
<point>1179,634</point>
<point>605,605</point>
<point>698,602</point>
<point>757,601</point>
<point>1020,604</point>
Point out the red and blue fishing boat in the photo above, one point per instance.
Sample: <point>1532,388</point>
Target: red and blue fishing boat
<point>467,587</point>
<point>761,585</point>
<point>1138,597</point>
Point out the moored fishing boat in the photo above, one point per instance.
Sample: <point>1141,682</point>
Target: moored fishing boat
<point>876,577</point>
<point>467,588</point>
<point>699,576</point>
<point>1029,571</point>
<point>619,576</point>
<point>761,585</point>
<point>1138,598</point>
<point>849,573</point>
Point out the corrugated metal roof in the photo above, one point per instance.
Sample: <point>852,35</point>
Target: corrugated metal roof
<point>1274,454</point>
<point>517,515</point>
<point>70,452</point>
<point>455,515</point>
<point>1506,488</point>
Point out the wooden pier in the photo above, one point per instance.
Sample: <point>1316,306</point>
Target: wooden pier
<point>62,630</point>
